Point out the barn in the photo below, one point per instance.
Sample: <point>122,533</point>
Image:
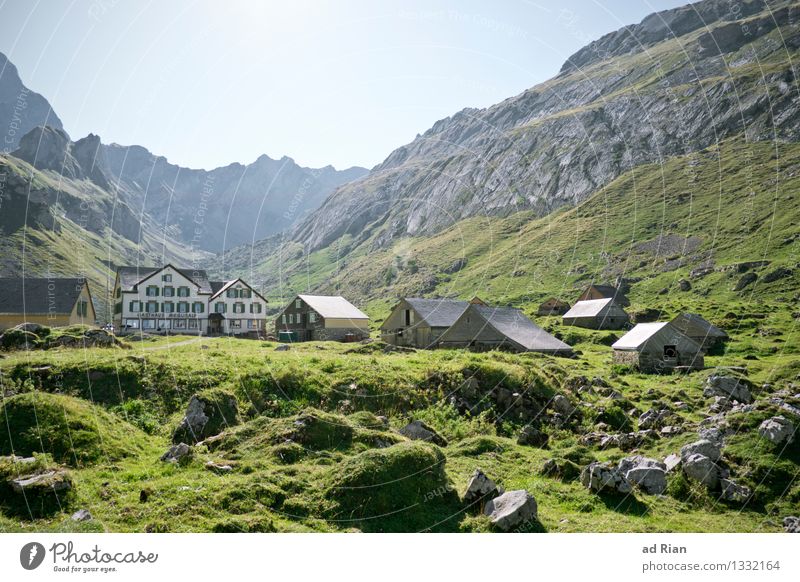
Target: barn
<point>596,314</point>
<point>482,327</point>
<point>700,330</point>
<point>320,318</point>
<point>604,292</point>
<point>419,323</point>
<point>657,347</point>
<point>552,306</point>
<point>51,301</point>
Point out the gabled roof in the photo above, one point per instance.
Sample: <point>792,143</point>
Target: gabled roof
<point>512,323</point>
<point>333,306</point>
<point>591,308</point>
<point>223,286</point>
<point>639,335</point>
<point>694,325</point>
<point>438,312</point>
<point>39,295</point>
<point>605,290</point>
<point>129,277</point>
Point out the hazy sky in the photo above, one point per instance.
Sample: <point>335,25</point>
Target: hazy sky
<point>208,83</point>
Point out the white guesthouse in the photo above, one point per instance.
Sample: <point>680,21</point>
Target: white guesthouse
<point>171,300</point>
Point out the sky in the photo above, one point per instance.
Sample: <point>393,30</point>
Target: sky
<point>207,83</point>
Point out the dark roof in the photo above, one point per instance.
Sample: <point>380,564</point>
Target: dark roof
<point>438,312</point>
<point>513,324</point>
<point>216,286</point>
<point>606,290</point>
<point>129,277</point>
<point>39,295</point>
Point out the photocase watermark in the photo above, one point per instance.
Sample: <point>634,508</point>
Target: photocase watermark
<point>438,493</point>
<point>66,558</point>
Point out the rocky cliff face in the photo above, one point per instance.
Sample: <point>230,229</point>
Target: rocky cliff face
<point>679,81</point>
<point>20,108</point>
<point>224,207</point>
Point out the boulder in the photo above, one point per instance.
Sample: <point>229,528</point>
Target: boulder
<point>702,469</point>
<point>532,436</point>
<point>177,453</point>
<point>604,477</point>
<point>704,447</point>
<point>671,462</point>
<point>653,418</point>
<point>777,430</point>
<point>54,481</point>
<point>791,524</point>
<point>684,285</point>
<point>732,491</point>
<point>208,413</point>
<point>511,510</point>
<point>650,475</point>
<point>480,487</point>
<point>416,430</point>
<point>745,280</point>
<point>81,515</point>
<point>736,388</point>
<point>282,347</point>
<point>563,406</point>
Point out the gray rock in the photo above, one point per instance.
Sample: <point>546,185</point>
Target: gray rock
<point>650,475</point>
<point>52,481</point>
<point>176,453</point>
<point>777,430</point>
<point>604,477</point>
<point>684,285</point>
<point>732,491</point>
<point>702,469</point>
<point>653,418</point>
<point>282,348</point>
<point>416,430</point>
<point>81,515</point>
<point>218,467</point>
<point>672,461</point>
<point>563,406</point>
<point>704,447</point>
<point>791,524</point>
<point>480,487</point>
<point>746,280</point>
<point>738,389</point>
<point>511,510</point>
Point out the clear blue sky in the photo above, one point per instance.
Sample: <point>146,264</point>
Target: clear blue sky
<point>206,83</point>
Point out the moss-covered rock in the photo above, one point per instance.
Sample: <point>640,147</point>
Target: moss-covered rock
<point>72,430</point>
<point>209,413</point>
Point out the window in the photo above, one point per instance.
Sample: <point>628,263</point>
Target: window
<point>238,307</point>
<point>283,318</point>
<point>193,324</point>
<point>168,307</point>
<point>255,308</point>
<point>83,308</point>
<point>152,307</point>
<point>408,316</point>
<point>152,291</point>
<point>219,307</point>
<point>231,293</point>
<point>183,291</point>
<point>179,323</point>
<point>245,293</point>
<point>312,317</point>
<point>166,278</point>
<point>132,323</point>
<point>135,306</point>
<point>148,324</point>
<point>291,318</point>
<point>198,307</point>
<point>236,324</point>
<point>169,291</point>
<point>298,303</point>
<point>252,323</point>
<point>183,307</point>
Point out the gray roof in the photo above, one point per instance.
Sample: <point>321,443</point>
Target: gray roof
<point>513,324</point>
<point>333,306</point>
<point>39,295</point>
<point>438,312</point>
<point>606,290</point>
<point>129,277</point>
<point>591,308</point>
<point>639,335</point>
<point>694,325</point>
<point>216,286</point>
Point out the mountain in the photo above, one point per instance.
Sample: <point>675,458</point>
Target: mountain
<point>20,108</point>
<point>221,208</point>
<point>678,84</point>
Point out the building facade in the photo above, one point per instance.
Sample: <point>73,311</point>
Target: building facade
<point>53,302</point>
<point>419,323</point>
<point>321,318</point>
<point>657,347</point>
<point>596,314</point>
<point>183,301</point>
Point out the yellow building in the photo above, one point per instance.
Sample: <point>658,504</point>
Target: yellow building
<point>47,301</point>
